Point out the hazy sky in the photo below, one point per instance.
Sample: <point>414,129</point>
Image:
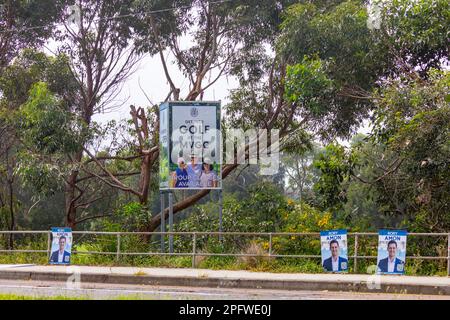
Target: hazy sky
<point>150,76</point>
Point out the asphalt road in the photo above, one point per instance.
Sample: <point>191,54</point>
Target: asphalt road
<point>108,291</point>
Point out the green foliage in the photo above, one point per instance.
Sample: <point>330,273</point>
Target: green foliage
<point>308,84</point>
<point>130,216</point>
<point>45,126</point>
<point>418,30</point>
<point>42,177</point>
<point>398,176</point>
<point>305,218</point>
<point>300,218</point>
<point>260,212</point>
<point>354,59</point>
<point>330,72</point>
<point>335,167</point>
<point>413,121</point>
<point>332,56</point>
<point>33,66</point>
<point>30,24</point>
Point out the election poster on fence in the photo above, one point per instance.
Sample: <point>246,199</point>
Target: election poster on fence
<point>190,145</point>
<point>61,246</point>
<point>391,251</point>
<point>334,250</point>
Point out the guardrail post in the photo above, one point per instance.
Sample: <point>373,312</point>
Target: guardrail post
<point>355,259</point>
<point>163,222</point>
<point>194,249</point>
<point>49,245</point>
<point>448,256</point>
<point>170,222</point>
<point>220,215</point>
<point>270,244</point>
<point>118,248</point>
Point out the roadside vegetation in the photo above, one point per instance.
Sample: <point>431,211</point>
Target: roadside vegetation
<point>360,98</point>
<point>62,297</point>
<point>287,217</point>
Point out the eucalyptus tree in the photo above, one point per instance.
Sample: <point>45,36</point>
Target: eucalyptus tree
<point>206,40</point>
<point>395,75</point>
<point>25,144</point>
<point>329,65</point>
<point>222,35</point>
<point>337,61</point>
<point>94,43</point>
<point>305,68</point>
<point>280,88</point>
<point>97,37</point>
<point>23,24</point>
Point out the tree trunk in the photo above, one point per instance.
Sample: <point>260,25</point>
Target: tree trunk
<point>10,182</point>
<point>144,182</point>
<point>71,210</point>
<point>71,197</point>
<point>12,225</point>
<point>186,203</point>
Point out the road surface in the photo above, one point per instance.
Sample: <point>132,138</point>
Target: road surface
<point>39,289</point>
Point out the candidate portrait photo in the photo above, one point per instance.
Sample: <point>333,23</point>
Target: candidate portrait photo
<point>391,252</point>
<point>334,251</point>
<point>61,247</point>
<point>391,264</point>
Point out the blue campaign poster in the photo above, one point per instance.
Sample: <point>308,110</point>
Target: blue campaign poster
<point>61,246</point>
<point>391,251</point>
<point>334,250</point>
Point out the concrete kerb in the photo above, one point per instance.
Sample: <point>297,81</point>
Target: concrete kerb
<point>214,281</point>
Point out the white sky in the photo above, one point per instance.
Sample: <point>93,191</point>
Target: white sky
<point>150,75</point>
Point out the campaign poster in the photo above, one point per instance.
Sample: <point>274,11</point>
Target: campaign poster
<point>61,246</point>
<point>334,250</point>
<point>391,251</point>
<point>190,144</point>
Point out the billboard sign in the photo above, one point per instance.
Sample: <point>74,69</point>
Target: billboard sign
<point>190,146</point>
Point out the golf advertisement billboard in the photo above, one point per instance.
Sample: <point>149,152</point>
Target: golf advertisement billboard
<point>190,146</point>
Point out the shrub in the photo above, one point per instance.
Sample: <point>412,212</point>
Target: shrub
<point>260,257</point>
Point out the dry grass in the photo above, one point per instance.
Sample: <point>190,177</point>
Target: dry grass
<point>199,258</point>
<point>259,256</point>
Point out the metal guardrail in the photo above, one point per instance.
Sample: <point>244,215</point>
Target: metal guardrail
<point>118,253</point>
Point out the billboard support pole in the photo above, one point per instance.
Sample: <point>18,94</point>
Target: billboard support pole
<point>163,221</point>
<point>220,215</point>
<point>448,256</point>
<point>170,222</point>
<point>49,245</point>
<point>355,259</point>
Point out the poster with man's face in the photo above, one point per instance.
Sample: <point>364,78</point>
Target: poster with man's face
<point>391,251</point>
<point>61,246</point>
<point>334,250</point>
